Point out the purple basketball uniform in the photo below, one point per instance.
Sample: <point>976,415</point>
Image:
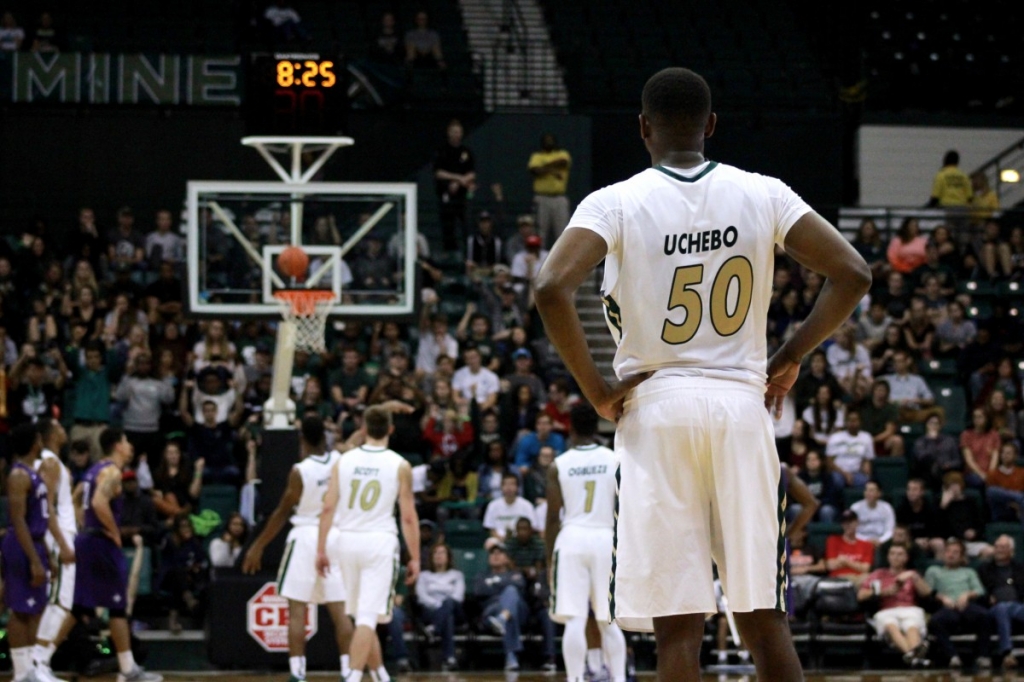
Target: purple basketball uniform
<point>102,571</point>
<point>21,597</point>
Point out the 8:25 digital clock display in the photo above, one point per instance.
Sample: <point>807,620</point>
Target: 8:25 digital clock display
<point>308,74</point>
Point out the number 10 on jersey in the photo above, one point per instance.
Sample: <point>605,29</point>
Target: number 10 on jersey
<point>682,296</point>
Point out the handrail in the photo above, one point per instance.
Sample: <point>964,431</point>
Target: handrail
<point>993,170</point>
<point>1016,146</point>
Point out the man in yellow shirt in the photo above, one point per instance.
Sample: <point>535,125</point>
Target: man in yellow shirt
<point>550,170</point>
<point>951,187</point>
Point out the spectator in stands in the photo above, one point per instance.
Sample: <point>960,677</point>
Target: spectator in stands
<point>935,453</point>
<point>213,442</point>
<point>550,170</point>
<point>1016,246</point>
<point>535,480</point>
<point>523,374</point>
<point>530,444</point>
<point>444,398</point>
<point>984,200</point>
<point>1003,580</point>
<point>901,536</point>
<point>956,586</point>
<point>870,245</point>
<point>1004,420</point>
<point>876,518</point>
<point>526,226</point>
<point>559,405</point>
<point>474,381</point>
<point>872,325</point>
<point>825,415</point>
<point>423,45</point>
<point>11,35</point>
<point>374,269</point>
<point>184,571</point>
<point>850,363</point>
<point>483,250</point>
<point>441,591</point>
<point>918,330</point>
<point>786,314</point>
<point>845,555</point>
<point>899,620</point>
<point>211,387</point>
<point>1005,485</point>
<point>163,297</point>
<point>503,512</point>
<point>951,187</point>
<point>138,515</point>
<point>961,517</point>
<point>41,328</point>
<point>993,251</point>
<point>125,246</point>
<point>45,38</point>
<point>387,47</point>
<point>435,340</point>
<point>526,550</point>
<point>806,387</point>
<point>934,267</point>
<point>459,490</point>
<point>145,397</point>
<point>35,392</point>
<point>850,453</point>
<point>806,568</point>
<point>349,384</point>
<point>492,472</point>
<point>474,329</point>
<point>455,175</point>
<point>821,483</point>
<point>526,264</point>
<point>954,333</point>
<point>883,356</point>
<point>906,251</point>
<point>910,392</point>
<point>225,550</point>
<point>879,418</point>
<point>980,447</point>
<point>286,23</point>
<point>447,432</point>
<point>177,483</point>
<point>78,461</point>
<point>895,294</point>
<point>919,516</point>
<point>162,244</point>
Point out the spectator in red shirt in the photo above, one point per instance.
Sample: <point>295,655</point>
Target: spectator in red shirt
<point>559,405</point>
<point>845,555</point>
<point>980,447</point>
<point>447,434</point>
<point>899,619</point>
<point>1006,484</point>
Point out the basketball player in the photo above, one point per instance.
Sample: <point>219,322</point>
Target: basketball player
<point>582,482</point>
<point>360,503</point>
<point>297,578</point>
<point>689,251</point>
<point>23,557</point>
<point>102,580</point>
<point>60,543</point>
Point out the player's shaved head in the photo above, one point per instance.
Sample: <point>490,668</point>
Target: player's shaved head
<point>583,420</point>
<point>313,430</point>
<point>378,422</point>
<point>677,101</point>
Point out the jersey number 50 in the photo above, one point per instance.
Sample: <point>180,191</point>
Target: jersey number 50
<point>682,296</point>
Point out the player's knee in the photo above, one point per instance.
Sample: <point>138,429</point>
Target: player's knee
<point>117,613</point>
<point>366,620</point>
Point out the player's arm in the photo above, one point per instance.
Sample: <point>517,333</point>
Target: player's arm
<point>331,498</point>
<point>77,496</point>
<point>410,522</point>
<point>292,493</point>
<point>803,496</point>
<point>50,472</point>
<point>575,255</point>
<point>553,493</point>
<point>814,243</point>
<point>19,489</point>
<point>107,488</point>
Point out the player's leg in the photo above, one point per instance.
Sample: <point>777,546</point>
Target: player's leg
<point>54,626</point>
<point>342,632</point>
<point>678,639</point>
<point>370,590</point>
<point>614,645</point>
<point>595,657</point>
<point>766,634</point>
<point>21,634</point>
<point>121,635</point>
<point>574,648</point>
<point>297,612</point>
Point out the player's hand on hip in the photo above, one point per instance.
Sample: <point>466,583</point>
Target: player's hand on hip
<point>323,564</point>
<point>38,573</point>
<point>67,555</point>
<point>253,561</point>
<point>782,374</point>
<point>613,395</point>
<point>412,572</point>
<point>114,537</point>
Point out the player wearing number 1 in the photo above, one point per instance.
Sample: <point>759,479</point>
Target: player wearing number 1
<point>360,502</point>
<point>689,249</point>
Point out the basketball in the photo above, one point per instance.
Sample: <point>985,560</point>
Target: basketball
<point>293,262</point>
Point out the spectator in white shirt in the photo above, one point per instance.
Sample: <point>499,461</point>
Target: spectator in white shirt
<point>435,340</point>
<point>910,392</point>
<point>872,325</point>
<point>163,244</point>
<point>825,415</point>
<point>224,550</point>
<point>850,453</point>
<point>527,263</point>
<point>440,592</point>
<point>877,517</point>
<point>504,512</point>
<point>850,363</point>
<point>476,381</point>
<point>11,35</point>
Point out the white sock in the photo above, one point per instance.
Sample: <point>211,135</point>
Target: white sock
<point>344,665</point>
<point>594,660</point>
<point>354,676</point>
<point>125,661</point>
<point>382,674</point>
<point>21,661</point>
<point>297,665</point>
<point>43,653</point>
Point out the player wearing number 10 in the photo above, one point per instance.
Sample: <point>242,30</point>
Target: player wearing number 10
<point>360,502</point>
<point>689,249</point>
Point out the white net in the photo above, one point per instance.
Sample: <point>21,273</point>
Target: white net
<point>308,309</point>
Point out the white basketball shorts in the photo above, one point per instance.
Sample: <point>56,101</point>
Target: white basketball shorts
<point>699,482</point>
<point>581,571</point>
<point>369,564</point>
<point>297,578</point>
<point>62,583</point>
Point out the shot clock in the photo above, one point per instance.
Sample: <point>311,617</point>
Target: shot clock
<point>296,94</point>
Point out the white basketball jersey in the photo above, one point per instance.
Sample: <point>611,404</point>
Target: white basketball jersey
<point>316,475</point>
<point>688,276</point>
<point>62,500</point>
<point>368,480</point>
<point>586,475</point>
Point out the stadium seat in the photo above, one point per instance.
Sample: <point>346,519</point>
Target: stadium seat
<point>222,499</point>
<point>891,474</point>
<point>472,563</point>
<point>945,367</point>
<point>464,534</point>
<point>953,400</point>
<point>818,533</point>
<point>852,495</point>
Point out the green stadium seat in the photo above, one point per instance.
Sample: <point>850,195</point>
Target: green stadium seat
<point>818,533</point>
<point>953,400</point>
<point>472,563</point>
<point>146,573</point>
<point>976,288</point>
<point>891,474</point>
<point>852,495</point>
<point>996,528</point>
<point>946,367</point>
<point>465,534</point>
<point>222,499</point>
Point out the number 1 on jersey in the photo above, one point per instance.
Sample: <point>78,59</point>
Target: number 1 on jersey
<point>371,493</point>
<point>588,506</point>
<point>738,268</point>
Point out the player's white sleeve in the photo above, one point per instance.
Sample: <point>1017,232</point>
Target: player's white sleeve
<point>787,208</point>
<point>600,212</point>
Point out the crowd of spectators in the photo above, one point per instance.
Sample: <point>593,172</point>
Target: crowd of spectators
<point>42,37</point>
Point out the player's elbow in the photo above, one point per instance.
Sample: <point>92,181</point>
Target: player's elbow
<point>858,275</point>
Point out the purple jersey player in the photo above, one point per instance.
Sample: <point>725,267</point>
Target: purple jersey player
<point>23,560</point>
<point>102,579</point>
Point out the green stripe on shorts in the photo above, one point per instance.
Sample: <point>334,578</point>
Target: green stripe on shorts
<point>781,579</point>
<point>554,584</point>
<point>615,544</point>
<point>55,565</point>
<point>284,566</point>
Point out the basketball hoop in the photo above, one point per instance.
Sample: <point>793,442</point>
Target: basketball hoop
<point>308,309</point>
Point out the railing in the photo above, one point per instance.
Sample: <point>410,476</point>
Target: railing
<point>964,224</point>
<point>521,70</point>
<point>1008,185</point>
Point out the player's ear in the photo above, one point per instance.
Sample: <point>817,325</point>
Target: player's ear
<point>645,127</point>
<point>709,129</point>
